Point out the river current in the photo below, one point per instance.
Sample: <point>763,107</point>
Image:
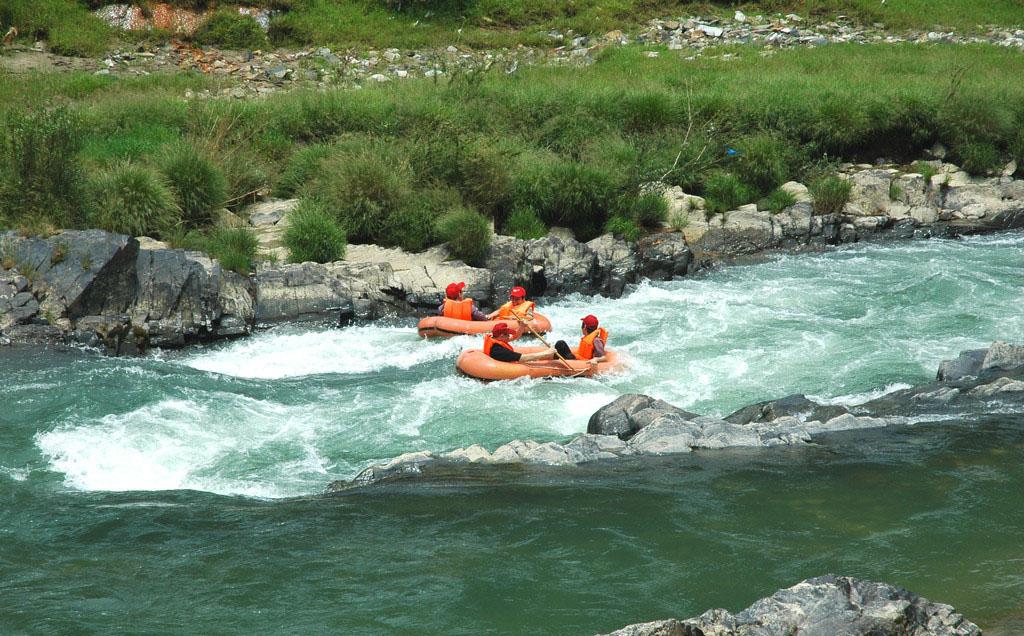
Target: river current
<point>180,493</point>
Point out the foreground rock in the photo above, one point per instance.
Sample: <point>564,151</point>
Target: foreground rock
<point>823,606</point>
<point>636,425</point>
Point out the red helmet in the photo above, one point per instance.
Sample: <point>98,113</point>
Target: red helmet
<point>500,329</point>
<point>454,289</point>
<point>589,321</point>
<point>517,292</point>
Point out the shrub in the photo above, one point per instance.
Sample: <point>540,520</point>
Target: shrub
<point>724,191</point>
<point>41,180</point>
<point>468,234</point>
<point>979,158</point>
<point>246,177</point>
<point>199,183</point>
<point>777,201</point>
<point>235,248</point>
<point>566,193</point>
<point>649,209</point>
<point>231,30</point>
<point>764,161</point>
<point>485,179</point>
<point>524,223</point>
<point>133,199</point>
<point>363,189</point>
<point>313,235</point>
<point>301,166</point>
<point>924,169</point>
<point>413,225</point>
<point>830,193</point>
<point>624,228</point>
<point>895,191</point>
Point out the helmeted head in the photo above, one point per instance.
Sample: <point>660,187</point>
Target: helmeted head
<point>454,290</point>
<point>501,331</point>
<point>589,322</point>
<point>517,293</point>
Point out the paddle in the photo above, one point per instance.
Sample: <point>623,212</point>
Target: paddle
<point>545,343</point>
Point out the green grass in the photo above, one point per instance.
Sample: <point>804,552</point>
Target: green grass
<point>388,161</point>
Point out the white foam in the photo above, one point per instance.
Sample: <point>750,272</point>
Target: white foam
<point>345,351</point>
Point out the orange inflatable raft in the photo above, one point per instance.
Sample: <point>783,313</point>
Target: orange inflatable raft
<point>476,364</point>
<point>441,327</point>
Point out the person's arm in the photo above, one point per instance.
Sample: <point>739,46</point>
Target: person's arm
<point>501,354</point>
<point>479,315</point>
<point>599,352</point>
<point>547,354</point>
<point>440,309</point>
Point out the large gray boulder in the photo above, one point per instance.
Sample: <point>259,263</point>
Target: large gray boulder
<point>332,292</point>
<point>558,264</point>
<point>617,264</point>
<point>99,288</point>
<point>823,606</point>
<point>628,414</point>
<point>664,255</point>
<point>185,297</point>
<point>968,363</point>
<point>76,272</point>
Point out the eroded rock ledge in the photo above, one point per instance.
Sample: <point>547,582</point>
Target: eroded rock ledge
<point>637,425</point>
<point>822,606</point>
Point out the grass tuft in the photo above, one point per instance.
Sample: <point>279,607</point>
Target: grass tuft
<point>468,234</point>
<point>133,199</point>
<point>830,193</point>
<point>525,224</point>
<point>200,185</point>
<point>314,235</point>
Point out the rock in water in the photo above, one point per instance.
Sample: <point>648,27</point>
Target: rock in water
<point>626,415</point>
<point>823,606</point>
<point>792,405</point>
<point>968,363</point>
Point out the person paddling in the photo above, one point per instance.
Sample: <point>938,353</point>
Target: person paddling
<point>591,347</point>
<point>496,346</point>
<point>455,306</point>
<point>517,307</point>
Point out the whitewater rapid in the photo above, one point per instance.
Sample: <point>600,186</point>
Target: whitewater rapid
<point>288,410</point>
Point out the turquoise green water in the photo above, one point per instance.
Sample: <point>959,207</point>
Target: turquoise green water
<point>180,493</point>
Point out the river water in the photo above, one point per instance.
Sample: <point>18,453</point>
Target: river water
<point>181,493</point>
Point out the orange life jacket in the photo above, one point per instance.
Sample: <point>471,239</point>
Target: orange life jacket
<point>490,341</point>
<point>458,309</point>
<point>523,308</point>
<point>586,349</point>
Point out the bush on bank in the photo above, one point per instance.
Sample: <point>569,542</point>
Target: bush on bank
<point>313,235</point>
<point>388,162</point>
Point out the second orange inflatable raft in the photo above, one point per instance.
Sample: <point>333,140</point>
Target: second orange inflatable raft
<point>441,327</point>
<point>476,364</point>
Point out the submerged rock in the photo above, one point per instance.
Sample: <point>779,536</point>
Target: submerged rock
<point>823,606</point>
<point>792,405</point>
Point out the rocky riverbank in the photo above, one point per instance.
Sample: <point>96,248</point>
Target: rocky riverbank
<point>127,294</point>
<point>256,73</point>
<point>825,605</point>
<point>639,425</point>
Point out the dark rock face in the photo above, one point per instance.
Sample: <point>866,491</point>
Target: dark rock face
<point>101,289</point>
<point>792,405</point>
<point>663,256</point>
<point>627,414</point>
<point>186,297</point>
<point>823,606</point>
<point>556,265</point>
<point>978,362</point>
